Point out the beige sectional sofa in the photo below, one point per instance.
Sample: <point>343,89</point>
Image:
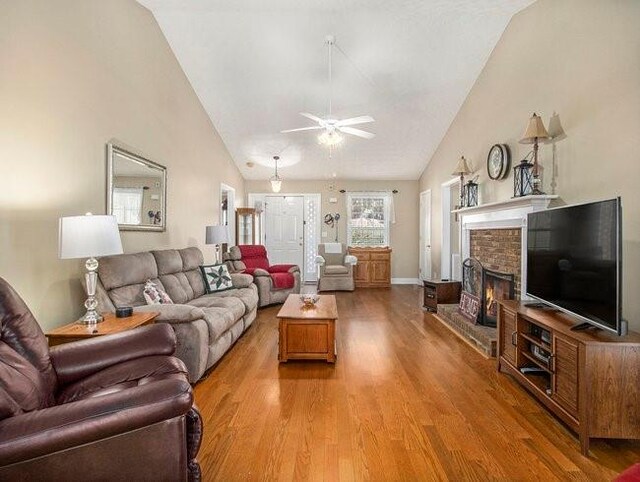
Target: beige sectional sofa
<point>206,325</point>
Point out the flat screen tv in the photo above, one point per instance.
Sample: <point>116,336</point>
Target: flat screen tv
<point>574,262</point>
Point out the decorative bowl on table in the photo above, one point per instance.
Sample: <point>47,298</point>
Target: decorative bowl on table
<point>309,299</point>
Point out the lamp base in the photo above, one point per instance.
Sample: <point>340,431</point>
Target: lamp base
<point>91,317</point>
<point>536,191</point>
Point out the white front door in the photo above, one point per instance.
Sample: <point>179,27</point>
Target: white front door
<point>284,229</point>
<point>425,235</point>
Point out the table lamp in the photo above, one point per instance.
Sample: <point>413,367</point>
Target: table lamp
<point>217,235</point>
<point>461,169</point>
<point>89,236</point>
<point>535,132</point>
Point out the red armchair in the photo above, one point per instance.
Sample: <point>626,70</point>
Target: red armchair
<point>274,282</point>
<point>112,408</point>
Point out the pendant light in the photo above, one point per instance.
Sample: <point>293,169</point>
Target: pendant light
<point>276,181</point>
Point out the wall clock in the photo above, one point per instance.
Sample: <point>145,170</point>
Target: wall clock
<point>498,161</point>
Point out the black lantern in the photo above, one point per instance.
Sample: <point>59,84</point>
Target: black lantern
<point>471,193</point>
<point>523,179</point>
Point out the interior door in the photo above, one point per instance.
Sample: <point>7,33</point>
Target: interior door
<point>284,229</point>
<point>425,234</point>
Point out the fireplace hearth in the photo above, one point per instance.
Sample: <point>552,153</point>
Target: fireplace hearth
<point>496,287</point>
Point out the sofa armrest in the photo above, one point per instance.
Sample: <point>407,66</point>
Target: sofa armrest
<point>173,313</point>
<point>76,360</point>
<point>58,428</point>
<point>283,268</point>
<point>260,272</point>
<point>241,280</point>
<point>350,259</point>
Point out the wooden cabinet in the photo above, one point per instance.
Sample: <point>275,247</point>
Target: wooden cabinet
<point>246,220</point>
<point>589,379</point>
<point>374,267</point>
<point>440,292</point>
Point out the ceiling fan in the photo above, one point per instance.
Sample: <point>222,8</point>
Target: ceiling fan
<point>333,127</point>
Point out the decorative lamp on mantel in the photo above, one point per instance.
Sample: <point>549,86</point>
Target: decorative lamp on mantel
<point>217,235</point>
<point>471,193</point>
<point>534,133</point>
<point>89,236</point>
<point>462,168</point>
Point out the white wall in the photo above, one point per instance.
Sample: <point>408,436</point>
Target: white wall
<point>73,75</point>
<point>579,59</point>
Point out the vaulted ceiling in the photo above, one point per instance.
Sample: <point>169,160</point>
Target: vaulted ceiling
<point>256,64</point>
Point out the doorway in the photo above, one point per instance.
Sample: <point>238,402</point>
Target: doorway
<point>425,234</point>
<point>227,205</point>
<point>284,229</point>
<point>450,262</point>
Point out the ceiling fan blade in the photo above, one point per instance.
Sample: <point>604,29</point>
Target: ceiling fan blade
<point>363,119</point>
<point>302,129</point>
<point>313,118</point>
<point>356,132</point>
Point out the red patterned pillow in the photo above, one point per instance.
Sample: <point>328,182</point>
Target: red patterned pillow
<point>154,295</point>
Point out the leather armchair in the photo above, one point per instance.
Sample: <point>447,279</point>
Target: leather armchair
<point>275,282</point>
<point>111,408</point>
<point>335,267</point>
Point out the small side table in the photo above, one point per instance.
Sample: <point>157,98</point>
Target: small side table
<point>109,326</point>
<point>443,292</point>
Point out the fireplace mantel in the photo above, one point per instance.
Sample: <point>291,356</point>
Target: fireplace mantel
<point>511,213</point>
<point>541,201</point>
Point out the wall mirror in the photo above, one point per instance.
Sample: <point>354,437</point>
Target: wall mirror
<point>136,190</point>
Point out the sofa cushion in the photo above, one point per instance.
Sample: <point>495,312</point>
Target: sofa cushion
<point>178,287</point>
<point>283,281</point>
<point>168,260</point>
<point>131,295</point>
<point>191,258</point>
<point>335,269</point>
<point>254,256</point>
<point>127,269</point>
<point>231,303</point>
<point>219,320</point>
<point>248,296</point>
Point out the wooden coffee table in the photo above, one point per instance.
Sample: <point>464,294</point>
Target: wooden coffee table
<point>308,333</point>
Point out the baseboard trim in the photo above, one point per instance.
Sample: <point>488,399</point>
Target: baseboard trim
<point>405,281</point>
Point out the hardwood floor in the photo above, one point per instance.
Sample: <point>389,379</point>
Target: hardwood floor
<point>406,400</point>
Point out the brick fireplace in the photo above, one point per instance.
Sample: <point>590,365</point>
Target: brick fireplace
<point>494,234</point>
<point>499,250</point>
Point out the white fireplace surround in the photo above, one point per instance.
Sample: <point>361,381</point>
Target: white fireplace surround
<point>502,215</point>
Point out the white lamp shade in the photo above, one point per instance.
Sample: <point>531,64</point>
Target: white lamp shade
<point>217,235</point>
<point>88,236</point>
<point>276,185</point>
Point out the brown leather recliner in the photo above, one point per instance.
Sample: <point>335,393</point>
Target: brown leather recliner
<point>116,407</point>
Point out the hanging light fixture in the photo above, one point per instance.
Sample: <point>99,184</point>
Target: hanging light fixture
<point>276,181</point>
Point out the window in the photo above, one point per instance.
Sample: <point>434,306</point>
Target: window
<point>127,205</point>
<point>368,218</point>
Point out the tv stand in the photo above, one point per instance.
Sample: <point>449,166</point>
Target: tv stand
<point>588,379</point>
<point>583,326</point>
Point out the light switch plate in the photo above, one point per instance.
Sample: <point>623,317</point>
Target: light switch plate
<point>333,200</point>
<point>324,234</point>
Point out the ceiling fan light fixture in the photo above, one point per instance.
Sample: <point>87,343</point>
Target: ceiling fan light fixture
<point>330,138</point>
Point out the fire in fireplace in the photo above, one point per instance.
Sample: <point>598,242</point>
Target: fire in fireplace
<point>496,286</point>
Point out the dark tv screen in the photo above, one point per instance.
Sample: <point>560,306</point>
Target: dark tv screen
<point>573,260</point>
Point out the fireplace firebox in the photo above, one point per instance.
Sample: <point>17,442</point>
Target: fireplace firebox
<point>496,286</point>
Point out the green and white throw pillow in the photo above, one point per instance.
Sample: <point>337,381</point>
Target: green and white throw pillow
<point>216,277</point>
